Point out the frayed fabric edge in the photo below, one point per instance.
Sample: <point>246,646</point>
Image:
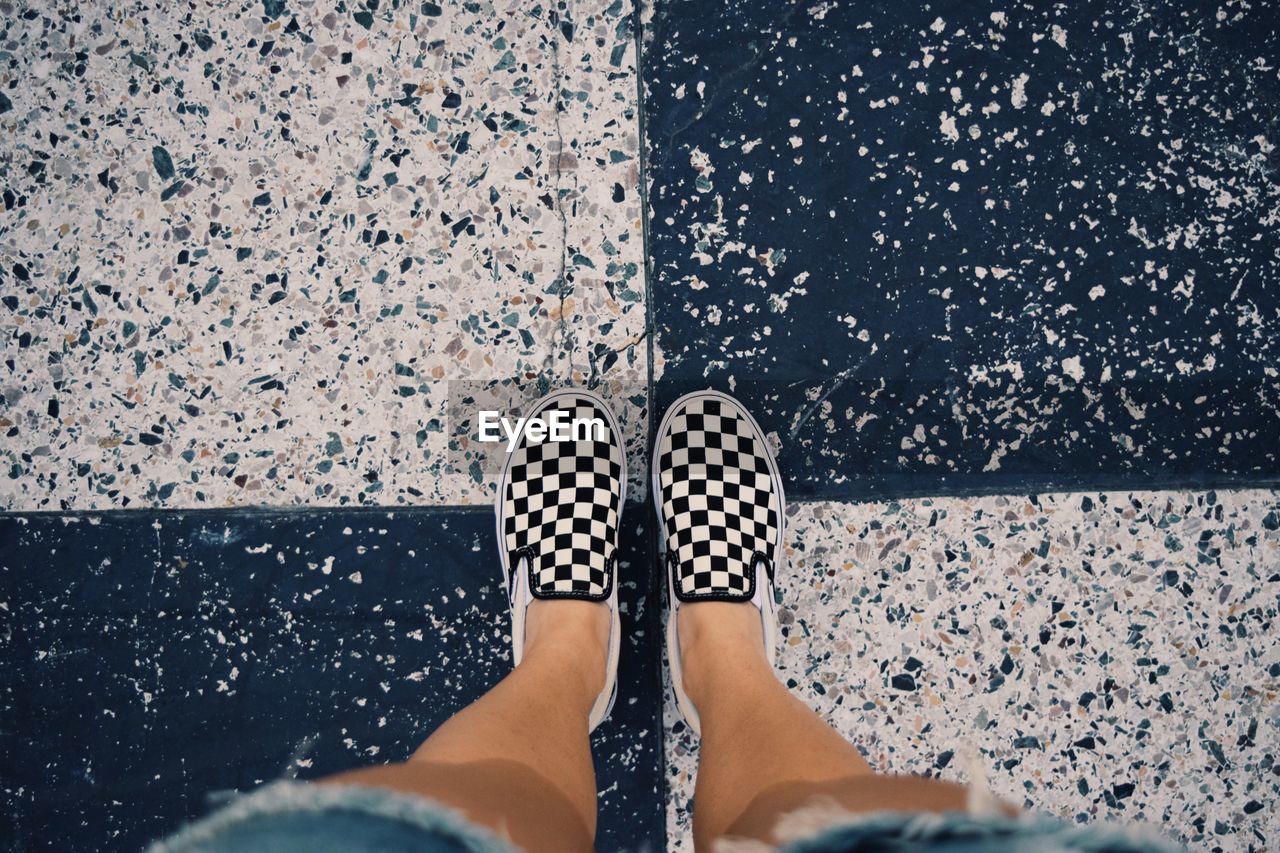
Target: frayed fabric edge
<point>298,797</point>
<point>983,809</point>
<point>822,825</point>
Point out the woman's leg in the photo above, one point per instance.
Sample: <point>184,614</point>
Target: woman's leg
<point>518,759</point>
<point>764,753</point>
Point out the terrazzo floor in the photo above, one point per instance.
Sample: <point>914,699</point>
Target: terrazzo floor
<point>259,256</point>
<point>1101,656</point>
<point>247,246</point>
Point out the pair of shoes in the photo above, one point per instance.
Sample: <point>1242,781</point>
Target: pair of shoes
<point>717,493</point>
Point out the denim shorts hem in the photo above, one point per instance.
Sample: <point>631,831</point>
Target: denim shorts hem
<point>415,817</point>
<point>961,831</point>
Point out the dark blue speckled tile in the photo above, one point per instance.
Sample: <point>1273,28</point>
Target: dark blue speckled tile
<point>958,247</point>
<point>154,663</point>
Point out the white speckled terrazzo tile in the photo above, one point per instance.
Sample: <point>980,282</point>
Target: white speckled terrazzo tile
<point>1111,656</point>
<point>244,249</point>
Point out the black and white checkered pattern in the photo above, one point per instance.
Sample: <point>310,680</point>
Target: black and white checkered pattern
<point>720,500</point>
<point>560,506</point>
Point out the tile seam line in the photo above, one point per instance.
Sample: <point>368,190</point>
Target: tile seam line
<point>562,282</point>
<point>266,511</point>
<point>256,510</point>
<point>641,131</point>
<point>1040,487</point>
<point>650,551</point>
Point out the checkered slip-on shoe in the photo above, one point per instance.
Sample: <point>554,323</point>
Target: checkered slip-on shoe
<point>559,505</point>
<point>719,499</point>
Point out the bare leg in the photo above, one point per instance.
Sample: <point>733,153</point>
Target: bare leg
<point>518,759</point>
<point>765,753</point>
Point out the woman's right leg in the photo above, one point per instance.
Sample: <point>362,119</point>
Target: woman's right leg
<point>764,753</point>
<point>518,760</point>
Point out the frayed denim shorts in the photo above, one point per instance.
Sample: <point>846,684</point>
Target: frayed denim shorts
<point>291,817</point>
<point>295,817</point>
<point>958,832</point>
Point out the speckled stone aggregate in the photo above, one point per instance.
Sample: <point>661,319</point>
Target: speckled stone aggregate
<point>244,245</point>
<point>181,656</point>
<point>958,246</point>
<point>1111,655</point>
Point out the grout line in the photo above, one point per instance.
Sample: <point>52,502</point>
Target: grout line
<point>1039,487</point>
<point>655,592</point>
<point>884,491</point>
<point>562,332</point>
<point>650,321</point>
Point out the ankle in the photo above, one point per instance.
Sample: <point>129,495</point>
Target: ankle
<point>719,642</point>
<point>572,636</point>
